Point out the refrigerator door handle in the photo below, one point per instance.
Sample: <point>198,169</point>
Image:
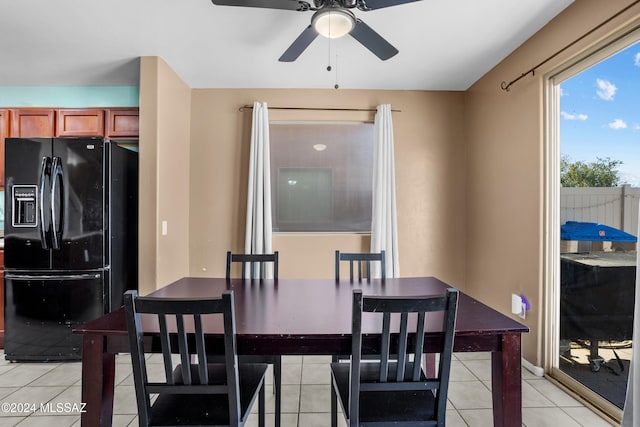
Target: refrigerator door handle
<point>43,225</point>
<point>56,175</point>
<point>45,277</point>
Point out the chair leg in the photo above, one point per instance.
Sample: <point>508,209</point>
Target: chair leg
<point>277,383</point>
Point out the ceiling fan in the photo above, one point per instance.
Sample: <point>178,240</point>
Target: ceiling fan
<point>332,19</point>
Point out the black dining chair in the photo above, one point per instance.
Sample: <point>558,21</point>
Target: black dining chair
<point>255,264</point>
<point>363,262</point>
<point>253,261</point>
<point>202,393</point>
<point>395,392</point>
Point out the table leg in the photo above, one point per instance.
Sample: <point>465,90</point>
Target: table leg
<point>98,377</point>
<point>334,398</point>
<point>506,382</point>
<point>277,383</point>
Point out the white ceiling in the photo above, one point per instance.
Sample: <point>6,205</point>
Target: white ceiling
<point>443,44</point>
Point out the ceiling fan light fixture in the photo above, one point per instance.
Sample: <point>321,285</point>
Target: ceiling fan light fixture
<point>333,23</point>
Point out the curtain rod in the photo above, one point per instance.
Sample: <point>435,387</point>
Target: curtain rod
<point>506,86</point>
<point>250,107</point>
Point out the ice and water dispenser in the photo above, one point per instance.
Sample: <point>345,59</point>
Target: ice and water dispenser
<point>25,206</point>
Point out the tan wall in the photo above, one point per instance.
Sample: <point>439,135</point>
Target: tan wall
<point>148,167</point>
<point>165,102</point>
<point>317,261</point>
<point>505,169</point>
<point>430,179</point>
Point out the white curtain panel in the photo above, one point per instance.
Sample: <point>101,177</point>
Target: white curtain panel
<point>259,230</point>
<point>631,415</point>
<point>384,218</point>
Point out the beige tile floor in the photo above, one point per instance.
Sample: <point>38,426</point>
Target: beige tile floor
<point>306,395</point>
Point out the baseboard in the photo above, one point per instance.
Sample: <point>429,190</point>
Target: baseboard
<point>535,370</point>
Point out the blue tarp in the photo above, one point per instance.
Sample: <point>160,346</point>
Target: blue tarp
<point>574,230</point>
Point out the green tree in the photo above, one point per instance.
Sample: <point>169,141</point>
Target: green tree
<point>601,173</point>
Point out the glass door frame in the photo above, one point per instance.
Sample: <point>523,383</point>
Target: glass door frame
<point>600,51</point>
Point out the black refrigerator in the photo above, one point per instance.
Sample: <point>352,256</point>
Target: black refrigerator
<point>71,240</point>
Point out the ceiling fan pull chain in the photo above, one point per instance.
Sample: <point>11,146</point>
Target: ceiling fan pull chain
<point>329,68</point>
<point>336,85</point>
<point>329,55</point>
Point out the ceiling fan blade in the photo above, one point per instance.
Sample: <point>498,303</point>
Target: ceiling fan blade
<point>299,45</point>
<point>266,4</point>
<point>379,4</point>
<point>373,41</point>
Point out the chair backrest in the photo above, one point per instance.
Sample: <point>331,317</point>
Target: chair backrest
<point>181,314</point>
<point>407,347</point>
<point>363,261</point>
<point>253,261</point>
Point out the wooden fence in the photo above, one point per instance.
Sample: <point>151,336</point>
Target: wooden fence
<point>613,206</point>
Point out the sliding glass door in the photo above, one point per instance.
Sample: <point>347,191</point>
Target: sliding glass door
<point>593,187</point>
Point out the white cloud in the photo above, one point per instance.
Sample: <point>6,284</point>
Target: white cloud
<point>606,89</point>
<point>574,116</point>
<point>637,59</point>
<point>636,127</point>
<point>617,124</point>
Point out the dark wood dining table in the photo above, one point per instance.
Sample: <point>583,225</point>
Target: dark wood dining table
<point>305,317</point>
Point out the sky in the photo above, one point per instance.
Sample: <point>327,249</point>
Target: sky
<point>600,114</point>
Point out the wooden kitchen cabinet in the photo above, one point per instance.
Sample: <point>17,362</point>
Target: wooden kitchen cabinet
<point>113,123</point>
<point>4,132</point>
<point>32,122</point>
<point>122,123</point>
<point>80,122</point>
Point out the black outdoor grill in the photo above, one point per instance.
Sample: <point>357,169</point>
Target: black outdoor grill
<point>597,289</point>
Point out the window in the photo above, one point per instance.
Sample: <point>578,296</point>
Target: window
<point>321,176</point>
